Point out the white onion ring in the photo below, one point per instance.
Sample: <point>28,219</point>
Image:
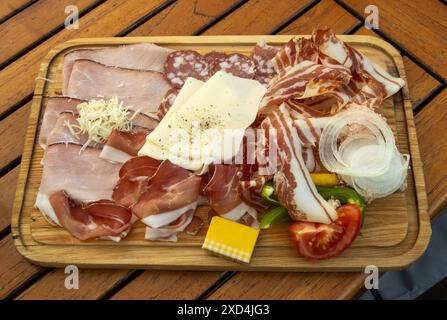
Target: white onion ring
<point>339,157</point>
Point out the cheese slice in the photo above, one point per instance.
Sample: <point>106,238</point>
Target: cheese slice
<point>208,123</point>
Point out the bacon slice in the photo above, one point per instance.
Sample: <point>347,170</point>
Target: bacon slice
<point>294,52</point>
<point>100,219</point>
<point>140,56</point>
<point>171,192</point>
<point>334,51</point>
<point>293,184</point>
<point>140,91</point>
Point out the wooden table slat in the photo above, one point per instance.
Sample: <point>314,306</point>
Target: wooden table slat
<point>9,7</point>
<point>30,25</point>
<point>7,191</point>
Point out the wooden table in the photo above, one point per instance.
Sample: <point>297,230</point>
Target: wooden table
<point>28,29</point>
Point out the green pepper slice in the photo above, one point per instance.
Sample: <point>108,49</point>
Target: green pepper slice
<point>267,193</point>
<point>344,195</point>
<point>277,214</point>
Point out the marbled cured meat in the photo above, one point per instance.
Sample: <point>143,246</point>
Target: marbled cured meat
<point>180,65</point>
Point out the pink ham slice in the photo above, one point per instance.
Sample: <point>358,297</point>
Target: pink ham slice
<point>83,175</point>
<point>140,91</point>
<point>54,107</point>
<point>140,56</point>
<point>100,219</point>
<point>62,134</point>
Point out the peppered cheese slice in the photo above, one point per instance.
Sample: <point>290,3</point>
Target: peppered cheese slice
<point>193,132</point>
<point>230,239</point>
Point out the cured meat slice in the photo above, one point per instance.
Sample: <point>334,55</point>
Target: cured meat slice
<point>262,54</point>
<point>180,65</point>
<point>294,52</point>
<point>170,193</point>
<point>139,167</point>
<point>293,184</point>
<point>54,107</point>
<point>140,91</point>
<point>236,64</point>
<point>62,134</point>
<point>304,80</point>
<point>167,102</point>
<point>334,51</point>
<point>140,56</point>
<point>170,231</point>
<point>100,219</point>
<point>83,175</point>
<point>122,146</point>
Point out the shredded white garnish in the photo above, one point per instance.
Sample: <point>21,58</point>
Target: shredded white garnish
<point>97,119</point>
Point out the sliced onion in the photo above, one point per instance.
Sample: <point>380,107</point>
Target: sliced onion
<point>352,155</point>
<point>385,184</point>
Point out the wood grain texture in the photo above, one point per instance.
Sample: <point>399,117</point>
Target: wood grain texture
<point>420,26</point>
<point>31,24</point>
<point>92,284</point>
<point>8,7</point>
<point>12,135</point>
<point>7,190</point>
<point>257,17</point>
<point>326,13</point>
<point>14,270</point>
<point>431,125</point>
<point>289,286</point>
<point>17,79</point>
<point>194,15</point>
<point>182,255</point>
<point>156,285</point>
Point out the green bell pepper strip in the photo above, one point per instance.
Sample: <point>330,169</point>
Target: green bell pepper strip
<point>277,214</point>
<point>267,193</point>
<point>344,195</point>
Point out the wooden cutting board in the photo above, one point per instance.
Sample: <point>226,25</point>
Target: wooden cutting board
<point>396,229</point>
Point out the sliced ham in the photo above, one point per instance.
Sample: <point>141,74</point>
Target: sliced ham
<point>53,108</point>
<point>140,56</point>
<point>170,231</point>
<point>62,134</point>
<point>83,175</point>
<point>140,91</point>
<point>100,219</point>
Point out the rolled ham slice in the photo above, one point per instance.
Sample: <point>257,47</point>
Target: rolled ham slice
<point>122,146</point>
<point>140,91</point>
<point>140,56</point>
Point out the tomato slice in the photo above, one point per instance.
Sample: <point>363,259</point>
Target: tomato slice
<point>321,241</point>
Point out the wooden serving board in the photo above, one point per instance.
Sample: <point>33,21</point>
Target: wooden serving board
<point>396,229</point>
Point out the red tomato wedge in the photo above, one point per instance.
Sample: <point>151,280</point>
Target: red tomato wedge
<point>321,241</point>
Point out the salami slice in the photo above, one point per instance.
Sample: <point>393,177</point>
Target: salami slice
<point>167,102</point>
<point>180,65</point>
<point>236,64</point>
<point>262,54</point>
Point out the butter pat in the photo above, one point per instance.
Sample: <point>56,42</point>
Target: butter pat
<point>230,239</point>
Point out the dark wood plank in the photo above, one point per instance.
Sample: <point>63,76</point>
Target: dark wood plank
<point>194,14</point>
<point>14,270</point>
<point>30,25</point>
<point>420,26</point>
<point>257,17</point>
<point>431,127</point>
<point>8,7</point>
<point>158,285</point>
<point>12,135</point>
<point>326,13</point>
<point>7,190</point>
<point>269,285</point>
<point>108,19</point>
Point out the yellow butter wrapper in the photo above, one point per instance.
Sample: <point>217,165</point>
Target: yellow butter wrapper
<point>230,239</point>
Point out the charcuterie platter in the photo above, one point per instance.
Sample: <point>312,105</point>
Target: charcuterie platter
<point>147,86</point>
